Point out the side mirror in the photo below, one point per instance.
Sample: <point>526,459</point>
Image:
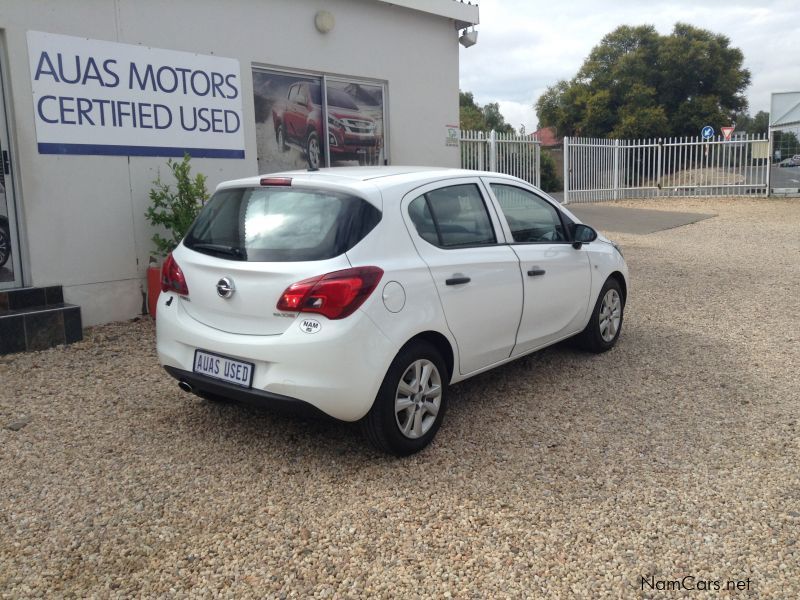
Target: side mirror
<point>582,234</point>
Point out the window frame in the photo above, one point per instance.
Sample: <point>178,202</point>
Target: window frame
<point>488,205</point>
<point>323,78</point>
<point>566,222</point>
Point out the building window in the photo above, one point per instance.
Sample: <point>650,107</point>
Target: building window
<point>296,128</point>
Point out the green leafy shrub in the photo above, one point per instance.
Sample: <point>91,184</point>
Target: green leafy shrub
<point>549,179</point>
<point>175,210</point>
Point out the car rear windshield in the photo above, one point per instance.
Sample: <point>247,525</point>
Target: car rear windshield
<point>273,224</point>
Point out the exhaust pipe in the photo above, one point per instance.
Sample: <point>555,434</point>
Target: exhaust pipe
<point>185,386</point>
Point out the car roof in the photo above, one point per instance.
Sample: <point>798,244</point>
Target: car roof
<point>384,176</point>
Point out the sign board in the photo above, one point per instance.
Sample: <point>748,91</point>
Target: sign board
<point>97,97</point>
<point>453,135</point>
<point>760,149</point>
<point>726,132</point>
<point>707,133</point>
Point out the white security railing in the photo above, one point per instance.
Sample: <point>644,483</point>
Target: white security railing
<point>602,169</point>
<point>508,153</point>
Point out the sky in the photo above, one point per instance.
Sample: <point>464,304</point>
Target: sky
<point>524,46</point>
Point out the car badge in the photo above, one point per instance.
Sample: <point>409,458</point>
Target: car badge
<point>225,287</point>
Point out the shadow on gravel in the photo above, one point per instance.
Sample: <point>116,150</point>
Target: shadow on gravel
<point>674,380</point>
<point>542,400</point>
<point>251,428</point>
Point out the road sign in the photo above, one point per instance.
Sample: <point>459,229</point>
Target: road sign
<point>708,132</point>
<point>726,132</point>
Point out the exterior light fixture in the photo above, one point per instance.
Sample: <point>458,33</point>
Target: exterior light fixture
<point>324,21</point>
<point>468,38</point>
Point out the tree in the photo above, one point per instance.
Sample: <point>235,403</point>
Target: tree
<point>474,117</point>
<point>176,210</point>
<point>786,143</point>
<point>752,125</point>
<point>637,83</point>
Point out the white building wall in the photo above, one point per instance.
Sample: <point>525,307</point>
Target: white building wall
<point>82,217</point>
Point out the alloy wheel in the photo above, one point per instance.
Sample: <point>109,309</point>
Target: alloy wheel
<point>418,399</point>
<point>313,151</point>
<point>610,315</point>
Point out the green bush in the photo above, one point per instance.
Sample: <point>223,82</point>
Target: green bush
<point>176,210</point>
<point>549,179</point>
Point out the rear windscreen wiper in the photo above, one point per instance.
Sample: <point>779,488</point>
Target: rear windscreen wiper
<point>221,249</point>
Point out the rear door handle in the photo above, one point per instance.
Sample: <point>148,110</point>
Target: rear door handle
<point>457,280</point>
<point>536,272</point>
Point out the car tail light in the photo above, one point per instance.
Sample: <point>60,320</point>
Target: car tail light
<point>281,181</point>
<point>336,295</point>
<point>172,279</point>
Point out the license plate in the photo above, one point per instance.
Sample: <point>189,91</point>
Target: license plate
<point>223,368</point>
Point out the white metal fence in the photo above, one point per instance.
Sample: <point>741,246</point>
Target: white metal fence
<point>509,153</point>
<point>601,169</point>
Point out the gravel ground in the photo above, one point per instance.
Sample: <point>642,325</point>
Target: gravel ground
<point>560,475</point>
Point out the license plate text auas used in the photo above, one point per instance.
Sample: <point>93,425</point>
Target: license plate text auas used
<point>223,368</point>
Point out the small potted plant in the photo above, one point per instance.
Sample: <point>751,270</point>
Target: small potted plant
<point>174,210</point>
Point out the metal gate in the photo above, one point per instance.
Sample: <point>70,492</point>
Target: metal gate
<point>603,169</point>
<point>784,133</point>
<point>509,153</point>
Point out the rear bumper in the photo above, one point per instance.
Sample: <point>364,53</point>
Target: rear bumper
<point>283,404</point>
<point>337,370</point>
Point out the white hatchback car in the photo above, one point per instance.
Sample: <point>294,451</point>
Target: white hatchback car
<point>363,293</point>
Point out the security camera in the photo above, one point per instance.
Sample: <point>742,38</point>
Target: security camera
<point>468,38</point>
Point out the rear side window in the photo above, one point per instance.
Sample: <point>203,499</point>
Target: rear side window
<point>452,216</point>
<point>274,224</point>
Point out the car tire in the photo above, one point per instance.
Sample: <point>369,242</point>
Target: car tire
<point>605,324</point>
<point>5,243</point>
<point>280,138</point>
<point>313,150</point>
<point>411,402</point>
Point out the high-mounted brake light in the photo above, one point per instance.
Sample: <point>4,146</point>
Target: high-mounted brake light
<point>280,181</point>
<point>172,279</point>
<point>336,295</point>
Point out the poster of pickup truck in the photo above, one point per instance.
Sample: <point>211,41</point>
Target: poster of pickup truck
<point>291,118</point>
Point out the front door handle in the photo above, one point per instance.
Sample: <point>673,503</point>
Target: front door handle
<point>457,280</point>
<point>536,272</point>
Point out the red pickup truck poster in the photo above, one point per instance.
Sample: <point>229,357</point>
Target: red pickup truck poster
<point>292,121</point>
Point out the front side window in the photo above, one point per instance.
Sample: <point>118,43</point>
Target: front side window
<point>452,216</point>
<point>280,224</point>
<point>530,218</point>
